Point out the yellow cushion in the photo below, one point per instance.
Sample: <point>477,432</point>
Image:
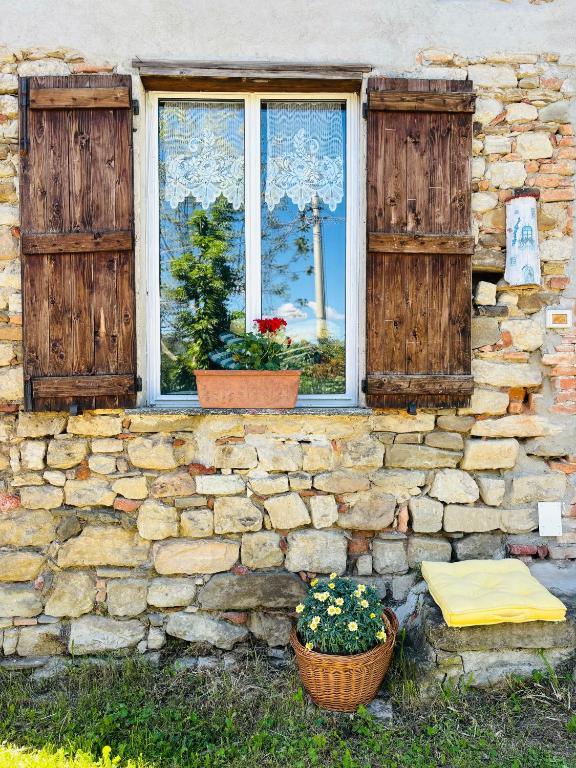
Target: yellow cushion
<point>490,592</point>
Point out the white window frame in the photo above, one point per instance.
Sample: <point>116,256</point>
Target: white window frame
<point>252,228</point>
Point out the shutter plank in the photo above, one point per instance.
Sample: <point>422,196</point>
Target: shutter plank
<point>405,101</point>
<point>79,98</point>
<point>91,387</point>
<point>417,243</point>
<point>77,242</point>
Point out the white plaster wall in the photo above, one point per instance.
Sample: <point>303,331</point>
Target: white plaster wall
<point>384,33</point>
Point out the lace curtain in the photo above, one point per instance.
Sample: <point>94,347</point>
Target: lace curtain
<point>305,148</point>
<point>202,147</point>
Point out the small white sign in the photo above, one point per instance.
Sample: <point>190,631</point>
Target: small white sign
<point>559,318</point>
<point>550,518</point>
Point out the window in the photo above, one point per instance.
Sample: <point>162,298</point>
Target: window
<point>252,214</point>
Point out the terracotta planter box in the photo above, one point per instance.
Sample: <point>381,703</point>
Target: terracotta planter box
<point>247,389</point>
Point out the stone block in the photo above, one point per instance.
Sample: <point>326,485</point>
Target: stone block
<point>402,483</point>
<point>198,628</point>
<point>425,514</point>
<point>485,331</point>
<point>428,548</point>
<point>171,592</point>
<point>453,485</point>
<point>368,510</point>
<point>521,113</point>
<point>73,595</point>
<point>261,550</point>
<point>156,639</point>
<point>490,76</point>
<point>41,497</point>
<point>11,382</point>
<point>19,600</point>
<point>364,565</point>
<point>363,453</point>
<point>534,145</point>
<point>480,546</point>
<point>273,629</point>
<point>66,453</point>
<point>317,457</point>
<point>468,519</point>
<point>41,640</point>
<point>102,464</point>
<point>486,668</point>
<point>235,456</point>
<point>538,487</point>
<point>126,597</point>
<point>552,445</point>
<point>178,483</point>
<point>487,110</point>
<point>341,481</point>
<point>519,520</point>
<point>99,634</point>
<point>300,481</point>
<point>92,425</point>
<point>389,556</point>
<point>275,456</point>
<point>324,511</point>
<point>497,144</point>
<point>492,489</point>
<point>156,520</point>
<point>107,445</point>
<point>486,294</point>
<point>220,485</point>
<point>483,202</point>
<point>506,374</point>
<point>507,174</point>
<point>401,421</point>
<point>451,423</point>
<point>104,545</point>
<point>448,441</point>
<point>231,592</point>
<point>556,249</point>
<point>420,457</point>
<point>490,454</point>
<point>236,515</point>
<point>521,425</point>
<point>154,452</point>
<point>287,511</point>
<point>317,551</point>
<point>89,493</point>
<point>25,528</point>
<point>32,454</point>
<point>527,334</point>
<point>20,566</point>
<point>185,556</point>
<point>131,487</point>
<point>268,485</point>
<point>197,523</point>
<point>486,401</point>
<point>40,424</point>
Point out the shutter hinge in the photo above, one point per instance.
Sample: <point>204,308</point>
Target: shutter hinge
<point>24,103</point>
<point>135,106</point>
<point>365,110</point>
<point>364,386</point>
<point>138,383</point>
<point>411,409</point>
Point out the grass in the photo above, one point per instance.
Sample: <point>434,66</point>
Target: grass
<point>162,718</point>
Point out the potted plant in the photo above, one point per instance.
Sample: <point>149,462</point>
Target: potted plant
<point>258,370</point>
<point>343,642</point>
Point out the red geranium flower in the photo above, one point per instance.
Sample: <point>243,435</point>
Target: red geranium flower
<point>270,324</point>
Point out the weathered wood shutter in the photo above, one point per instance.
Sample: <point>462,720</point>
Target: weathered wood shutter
<point>77,242</point>
<point>419,242</point>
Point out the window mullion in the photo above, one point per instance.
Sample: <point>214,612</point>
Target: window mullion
<point>253,233</point>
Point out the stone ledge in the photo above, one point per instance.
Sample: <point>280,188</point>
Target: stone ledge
<point>197,411</point>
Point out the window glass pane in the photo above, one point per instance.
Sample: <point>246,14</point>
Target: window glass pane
<point>303,150</point>
<point>202,248</point>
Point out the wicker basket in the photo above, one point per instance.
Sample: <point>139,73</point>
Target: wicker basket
<point>344,682</point>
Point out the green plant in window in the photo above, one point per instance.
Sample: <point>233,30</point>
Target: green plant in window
<point>206,277</point>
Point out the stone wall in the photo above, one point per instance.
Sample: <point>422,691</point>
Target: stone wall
<point>119,529</point>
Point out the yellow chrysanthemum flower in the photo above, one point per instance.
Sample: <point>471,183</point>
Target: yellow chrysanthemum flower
<point>381,635</point>
<point>313,582</point>
<point>352,626</point>
<point>333,575</point>
<point>339,601</point>
<point>332,610</point>
<point>364,603</point>
<point>361,587</point>
<point>299,607</point>
<point>372,615</point>
<point>331,585</point>
<point>337,611</point>
<point>322,596</point>
<point>356,593</point>
<point>314,623</point>
<point>309,646</point>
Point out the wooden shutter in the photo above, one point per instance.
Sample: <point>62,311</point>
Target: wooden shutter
<point>419,242</point>
<point>77,242</point>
